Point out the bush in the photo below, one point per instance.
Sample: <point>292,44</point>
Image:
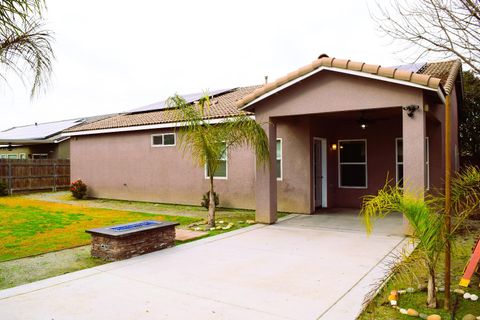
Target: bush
<point>206,200</point>
<point>78,189</point>
<point>3,189</point>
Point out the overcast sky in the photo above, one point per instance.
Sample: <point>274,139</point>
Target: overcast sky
<point>112,56</point>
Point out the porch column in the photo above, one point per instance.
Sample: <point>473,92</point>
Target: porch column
<point>414,155</point>
<point>266,179</point>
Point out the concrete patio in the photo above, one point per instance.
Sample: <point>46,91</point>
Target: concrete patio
<point>305,267</point>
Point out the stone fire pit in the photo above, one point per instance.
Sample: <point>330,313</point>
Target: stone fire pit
<point>132,239</point>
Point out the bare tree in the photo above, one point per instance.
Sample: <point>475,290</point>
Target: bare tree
<point>434,27</point>
<point>25,46</point>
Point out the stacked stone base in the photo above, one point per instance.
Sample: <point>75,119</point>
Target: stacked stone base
<point>120,248</point>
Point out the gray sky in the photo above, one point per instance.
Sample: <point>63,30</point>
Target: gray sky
<point>113,56</point>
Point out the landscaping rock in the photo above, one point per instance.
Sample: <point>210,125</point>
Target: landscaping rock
<point>393,302</point>
<point>459,291</point>
<point>403,311</point>
<point>467,295</point>
<point>422,287</point>
<point>412,312</point>
<point>250,221</point>
<point>469,317</point>
<point>473,297</point>
<point>434,317</point>
<point>410,290</point>
<point>402,291</point>
<point>423,315</point>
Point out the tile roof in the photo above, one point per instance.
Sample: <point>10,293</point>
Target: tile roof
<point>446,71</point>
<point>431,75</point>
<point>222,106</point>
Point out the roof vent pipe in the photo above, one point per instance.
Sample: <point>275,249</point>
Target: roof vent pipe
<point>266,79</point>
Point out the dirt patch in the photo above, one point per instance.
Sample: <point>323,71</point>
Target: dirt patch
<point>26,270</point>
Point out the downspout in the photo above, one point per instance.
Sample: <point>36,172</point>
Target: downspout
<point>448,217</point>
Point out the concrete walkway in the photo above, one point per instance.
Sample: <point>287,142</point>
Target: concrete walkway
<point>305,267</point>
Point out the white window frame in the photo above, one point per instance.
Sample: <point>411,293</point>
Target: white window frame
<point>3,156</point>
<point>163,140</point>
<point>22,156</point>
<point>340,164</point>
<point>226,167</point>
<point>281,158</point>
<point>427,162</point>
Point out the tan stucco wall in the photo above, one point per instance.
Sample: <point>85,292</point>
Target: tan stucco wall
<point>125,166</point>
<point>54,151</point>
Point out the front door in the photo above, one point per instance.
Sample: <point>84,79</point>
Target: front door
<point>319,172</point>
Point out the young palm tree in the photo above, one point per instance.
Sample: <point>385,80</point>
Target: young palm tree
<point>426,218</point>
<point>207,143</point>
<point>24,46</point>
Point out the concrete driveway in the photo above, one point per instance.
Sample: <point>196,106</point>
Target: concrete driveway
<point>305,267</point>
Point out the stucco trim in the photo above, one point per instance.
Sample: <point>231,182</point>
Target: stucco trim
<point>144,127</point>
<point>344,71</point>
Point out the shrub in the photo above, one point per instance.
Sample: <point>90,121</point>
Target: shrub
<point>3,189</point>
<point>206,200</point>
<point>78,189</point>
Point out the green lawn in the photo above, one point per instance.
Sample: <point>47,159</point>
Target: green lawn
<point>380,309</point>
<point>31,227</point>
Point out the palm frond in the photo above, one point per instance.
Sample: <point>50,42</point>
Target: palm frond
<point>25,47</point>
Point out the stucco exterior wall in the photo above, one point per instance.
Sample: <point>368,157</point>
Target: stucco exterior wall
<point>126,166</point>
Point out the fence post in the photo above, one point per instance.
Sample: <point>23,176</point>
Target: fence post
<point>10,191</point>
<point>54,176</point>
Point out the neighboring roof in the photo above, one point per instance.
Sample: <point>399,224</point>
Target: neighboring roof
<point>222,106</point>
<point>48,132</point>
<point>432,75</point>
<point>189,98</point>
<point>37,131</point>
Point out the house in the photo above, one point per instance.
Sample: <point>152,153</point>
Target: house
<point>40,140</point>
<point>337,129</point>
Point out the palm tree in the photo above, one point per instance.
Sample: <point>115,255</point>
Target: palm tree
<point>25,47</point>
<point>425,216</point>
<point>208,143</point>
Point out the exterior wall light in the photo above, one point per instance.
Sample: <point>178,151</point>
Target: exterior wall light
<point>411,110</point>
<point>363,125</point>
<point>334,147</point>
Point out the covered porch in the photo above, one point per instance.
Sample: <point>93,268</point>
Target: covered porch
<point>336,137</point>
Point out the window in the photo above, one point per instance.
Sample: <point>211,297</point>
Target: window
<point>221,172</point>
<point>399,162</point>
<point>40,156</point>
<point>162,140</point>
<point>3,156</point>
<point>22,156</point>
<point>279,160</point>
<point>12,156</point>
<point>352,163</point>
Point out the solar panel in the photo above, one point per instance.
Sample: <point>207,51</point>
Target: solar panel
<point>412,67</point>
<point>38,131</point>
<point>191,97</point>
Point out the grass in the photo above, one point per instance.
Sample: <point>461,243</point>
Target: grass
<point>380,309</point>
<point>31,227</point>
<point>43,235</point>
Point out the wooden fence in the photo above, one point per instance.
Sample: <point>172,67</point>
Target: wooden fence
<point>35,175</point>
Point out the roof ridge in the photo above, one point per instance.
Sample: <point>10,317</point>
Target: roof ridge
<point>347,64</point>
